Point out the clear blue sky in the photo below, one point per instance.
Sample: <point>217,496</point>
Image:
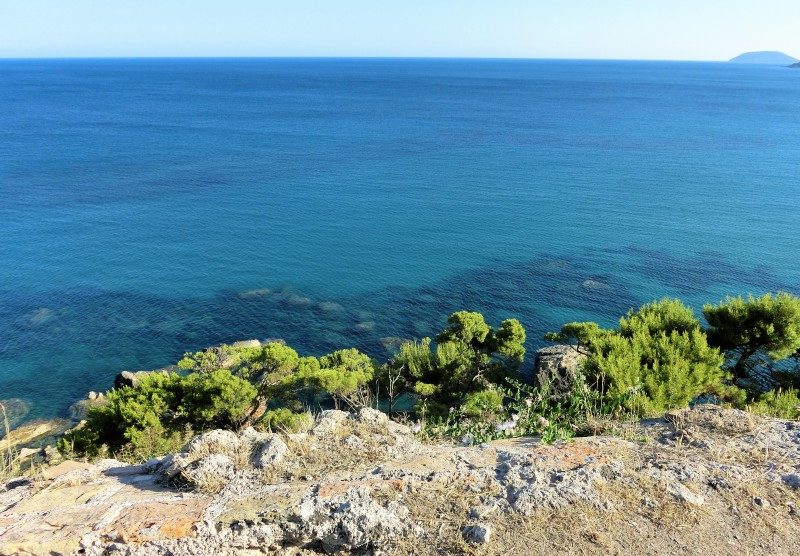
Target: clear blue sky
<point>633,29</point>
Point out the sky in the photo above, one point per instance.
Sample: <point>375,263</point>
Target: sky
<point>617,29</point>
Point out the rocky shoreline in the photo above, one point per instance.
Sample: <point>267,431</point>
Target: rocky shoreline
<point>707,479</point>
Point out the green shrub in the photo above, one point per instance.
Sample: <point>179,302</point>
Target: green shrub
<point>343,374</point>
<point>784,404</point>
<point>658,359</point>
<point>215,399</point>
<point>757,333</point>
<point>469,356</point>
<point>285,420</point>
<point>241,360</point>
<point>153,417</point>
<point>485,404</point>
<point>523,410</point>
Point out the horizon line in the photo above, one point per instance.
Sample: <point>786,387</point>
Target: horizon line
<point>323,57</point>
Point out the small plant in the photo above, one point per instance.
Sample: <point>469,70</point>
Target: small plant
<point>285,421</point>
<point>9,455</point>
<point>524,410</point>
<point>784,404</point>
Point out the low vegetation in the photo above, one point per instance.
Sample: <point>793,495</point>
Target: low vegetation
<point>465,383</point>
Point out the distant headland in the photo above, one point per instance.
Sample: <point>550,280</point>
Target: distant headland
<point>772,58</point>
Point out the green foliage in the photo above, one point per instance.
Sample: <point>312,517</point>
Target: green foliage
<point>469,356</point>
<point>285,420</point>
<point>152,417</point>
<point>756,333</point>
<point>241,360</point>
<point>343,374</point>
<point>482,404</point>
<point>658,359</point>
<point>524,411</point>
<point>581,333</point>
<point>204,360</point>
<point>280,370</point>
<point>215,399</point>
<point>465,327</point>
<point>784,404</point>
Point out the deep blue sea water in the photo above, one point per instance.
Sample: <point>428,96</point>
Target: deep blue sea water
<point>150,207</point>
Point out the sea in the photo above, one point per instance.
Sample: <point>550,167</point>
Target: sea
<point>150,207</point>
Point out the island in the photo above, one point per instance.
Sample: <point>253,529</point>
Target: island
<point>766,57</point>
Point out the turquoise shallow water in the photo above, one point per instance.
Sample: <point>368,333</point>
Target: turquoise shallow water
<point>151,207</point>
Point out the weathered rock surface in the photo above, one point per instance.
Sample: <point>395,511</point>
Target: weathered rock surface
<point>705,480</point>
<point>29,434</point>
<point>80,505</point>
<point>557,368</point>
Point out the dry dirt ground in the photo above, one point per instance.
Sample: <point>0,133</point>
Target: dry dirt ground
<point>702,481</point>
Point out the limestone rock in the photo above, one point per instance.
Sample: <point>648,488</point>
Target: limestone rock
<point>214,442</point>
<point>33,434</point>
<point>349,521</point>
<point>683,494</point>
<point>478,533</point>
<point>210,473</point>
<point>372,416</point>
<point>270,452</point>
<point>557,367</point>
<point>247,344</point>
<point>334,414</point>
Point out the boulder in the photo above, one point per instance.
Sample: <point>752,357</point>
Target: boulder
<point>478,533</point>
<point>334,414</point>
<point>132,378</point>
<point>351,521</point>
<point>372,416</point>
<point>189,463</point>
<point>270,453</point>
<point>211,473</point>
<point>557,367</point>
<point>216,441</point>
<point>80,409</point>
<point>246,344</point>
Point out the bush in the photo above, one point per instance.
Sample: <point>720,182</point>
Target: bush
<point>784,404</point>
<point>756,335</point>
<point>658,359</point>
<point>215,399</point>
<point>485,404</point>
<point>522,410</point>
<point>286,421</point>
<point>151,418</point>
<point>343,374</point>
<point>469,356</point>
